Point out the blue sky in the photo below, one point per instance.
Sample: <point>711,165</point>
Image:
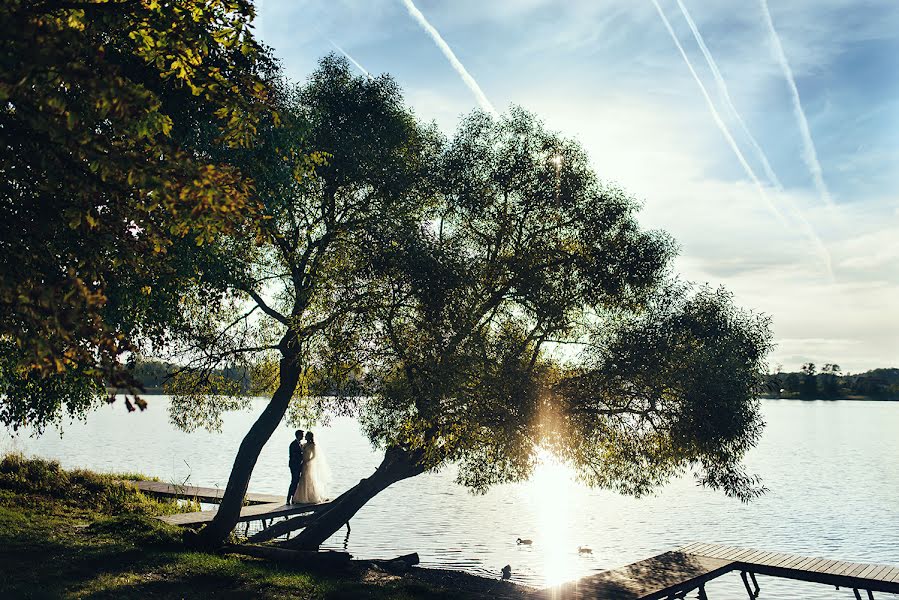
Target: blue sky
<point>608,73</point>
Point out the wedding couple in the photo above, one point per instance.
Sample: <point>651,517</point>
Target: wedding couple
<point>307,484</point>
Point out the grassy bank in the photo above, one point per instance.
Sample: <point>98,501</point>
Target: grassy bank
<point>78,534</point>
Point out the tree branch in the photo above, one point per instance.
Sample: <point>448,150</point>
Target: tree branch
<point>266,308</point>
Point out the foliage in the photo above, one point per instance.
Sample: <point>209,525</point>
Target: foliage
<point>300,292</point>
<point>530,311</point>
<point>86,489</point>
<point>107,551</point>
<point>832,384</point>
<point>30,399</point>
<point>101,181</point>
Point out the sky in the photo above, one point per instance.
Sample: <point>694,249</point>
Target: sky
<point>771,154</point>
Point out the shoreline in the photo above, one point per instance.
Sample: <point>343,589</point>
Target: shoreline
<point>106,542</point>
<point>161,392</point>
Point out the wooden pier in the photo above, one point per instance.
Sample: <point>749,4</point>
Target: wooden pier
<point>674,574</point>
<point>201,494</point>
<point>260,507</point>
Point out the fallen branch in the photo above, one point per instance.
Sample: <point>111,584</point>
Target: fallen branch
<point>303,557</point>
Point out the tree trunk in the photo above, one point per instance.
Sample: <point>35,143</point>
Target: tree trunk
<point>217,531</point>
<point>398,464</point>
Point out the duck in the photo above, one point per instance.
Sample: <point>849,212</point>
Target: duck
<point>522,542</point>
<point>584,550</point>
<point>507,572</point>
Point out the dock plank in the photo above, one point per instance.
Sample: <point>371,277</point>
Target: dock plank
<point>648,579</point>
<point>254,512</point>
<point>681,571</point>
<point>203,494</point>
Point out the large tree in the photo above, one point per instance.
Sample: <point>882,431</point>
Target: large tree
<point>289,302</point>
<point>529,310</point>
<point>101,181</point>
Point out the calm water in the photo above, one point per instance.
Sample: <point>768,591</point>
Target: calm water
<point>830,467</point>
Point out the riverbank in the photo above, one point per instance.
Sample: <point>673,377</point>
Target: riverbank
<point>841,398</point>
<point>79,534</point>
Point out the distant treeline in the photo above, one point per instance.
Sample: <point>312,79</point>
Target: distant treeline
<point>830,383</point>
<point>155,375</point>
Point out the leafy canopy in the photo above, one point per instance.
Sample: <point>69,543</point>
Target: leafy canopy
<point>530,310</point>
<point>101,177</point>
<point>343,172</point>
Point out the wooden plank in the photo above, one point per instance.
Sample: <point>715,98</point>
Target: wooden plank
<point>247,513</point>
<point>775,559</point>
<point>803,566</point>
<point>730,552</point>
<point>835,568</point>
<point>888,574</point>
<point>676,572</point>
<point>770,559</point>
<point>203,494</point>
<point>781,559</point>
<point>653,578</point>
<point>702,549</point>
<point>750,556</point>
<point>878,571</point>
<point>792,562</point>
<point>815,564</point>
<point>868,571</point>
<point>822,568</point>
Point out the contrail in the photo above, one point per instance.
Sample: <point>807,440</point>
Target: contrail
<point>722,87</point>
<point>448,52</point>
<point>809,155</point>
<point>350,58</point>
<point>806,226</point>
<point>717,118</point>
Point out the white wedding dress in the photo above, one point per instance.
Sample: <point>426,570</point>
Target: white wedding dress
<point>311,488</point>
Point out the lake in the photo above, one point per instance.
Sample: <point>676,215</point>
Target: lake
<point>830,467</point>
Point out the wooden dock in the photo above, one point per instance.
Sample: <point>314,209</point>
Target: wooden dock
<point>260,507</point>
<point>201,494</point>
<point>674,574</point>
<point>256,512</point>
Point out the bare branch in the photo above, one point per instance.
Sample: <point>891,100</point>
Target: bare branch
<point>266,308</point>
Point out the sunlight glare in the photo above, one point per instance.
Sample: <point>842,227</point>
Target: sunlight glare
<point>550,490</point>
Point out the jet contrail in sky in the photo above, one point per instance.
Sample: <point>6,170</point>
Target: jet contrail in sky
<point>722,87</point>
<point>806,226</point>
<point>448,52</point>
<point>809,155</point>
<point>350,58</point>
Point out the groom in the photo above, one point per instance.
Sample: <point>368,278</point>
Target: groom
<point>296,463</point>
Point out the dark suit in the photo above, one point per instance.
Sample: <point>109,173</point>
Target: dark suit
<point>296,467</point>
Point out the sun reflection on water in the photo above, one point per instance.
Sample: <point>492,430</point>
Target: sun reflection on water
<point>550,493</point>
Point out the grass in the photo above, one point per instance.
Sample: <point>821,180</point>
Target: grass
<point>79,534</point>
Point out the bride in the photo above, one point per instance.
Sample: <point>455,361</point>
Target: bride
<point>311,488</point>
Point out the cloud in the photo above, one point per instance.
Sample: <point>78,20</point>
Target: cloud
<point>725,94</point>
<point>806,227</point>
<point>809,154</point>
<point>469,81</point>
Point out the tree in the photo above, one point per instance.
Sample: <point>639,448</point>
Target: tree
<point>101,183</point>
<point>830,380</point>
<point>290,303</point>
<point>808,388</point>
<point>529,310</point>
